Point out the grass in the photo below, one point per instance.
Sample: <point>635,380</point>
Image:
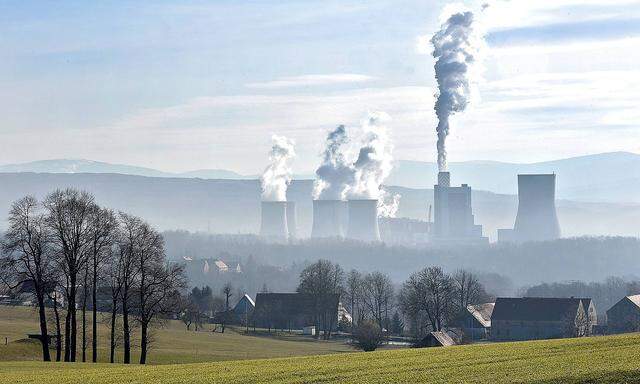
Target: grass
<point>173,343</point>
<point>610,359</point>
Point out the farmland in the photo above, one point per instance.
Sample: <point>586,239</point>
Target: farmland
<point>611,359</point>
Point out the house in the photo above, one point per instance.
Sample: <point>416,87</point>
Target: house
<point>531,318</point>
<point>437,339</point>
<point>244,309</point>
<point>476,321</point>
<point>624,316</point>
<point>295,311</point>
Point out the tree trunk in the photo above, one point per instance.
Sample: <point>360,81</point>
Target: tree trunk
<point>67,335</point>
<point>112,346</point>
<point>126,331</point>
<point>143,343</point>
<point>58,332</point>
<point>84,316</point>
<point>94,309</point>
<point>74,321</point>
<point>44,335</point>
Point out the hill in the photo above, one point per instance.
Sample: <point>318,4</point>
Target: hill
<point>611,177</point>
<point>608,359</point>
<point>606,177</point>
<point>233,206</point>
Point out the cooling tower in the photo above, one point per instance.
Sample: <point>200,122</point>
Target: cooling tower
<point>363,220</point>
<point>536,218</point>
<point>274,220</point>
<point>327,218</point>
<point>292,220</point>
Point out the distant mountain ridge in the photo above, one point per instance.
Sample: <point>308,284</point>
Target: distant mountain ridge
<point>604,177</point>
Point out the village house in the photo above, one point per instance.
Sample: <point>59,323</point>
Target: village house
<point>294,311</point>
<point>476,321</point>
<point>531,318</point>
<point>624,316</point>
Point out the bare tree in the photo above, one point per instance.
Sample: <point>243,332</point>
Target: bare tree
<point>127,248</point>
<point>226,291</point>
<point>102,236</point>
<point>158,282</point>
<point>323,282</point>
<point>27,259</point>
<point>353,297</point>
<point>428,291</point>
<point>68,214</point>
<point>467,289</point>
<point>377,294</point>
<point>114,279</point>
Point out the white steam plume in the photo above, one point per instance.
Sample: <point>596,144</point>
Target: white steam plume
<point>374,162</point>
<point>335,174</point>
<point>388,204</point>
<point>277,175</point>
<point>455,50</point>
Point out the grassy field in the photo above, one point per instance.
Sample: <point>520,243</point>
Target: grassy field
<point>173,343</point>
<point>611,359</point>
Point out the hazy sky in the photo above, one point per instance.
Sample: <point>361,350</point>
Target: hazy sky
<point>181,85</point>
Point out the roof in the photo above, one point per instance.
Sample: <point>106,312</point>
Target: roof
<point>221,265</point>
<point>443,338</point>
<point>248,298</point>
<point>482,313</point>
<point>535,308</point>
<point>635,299</point>
<point>288,303</point>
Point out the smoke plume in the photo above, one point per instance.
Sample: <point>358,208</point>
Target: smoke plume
<point>277,175</point>
<point>455,52</point>
<point>335,174</point>
<point>388,204</point>
<point>374,162</point>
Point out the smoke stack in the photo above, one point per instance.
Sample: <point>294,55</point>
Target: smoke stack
<point>537,218</point>
<point>274,220</point>
<point>292,220</point>
<point>327,218</point>
<point>363,220</point>
<point>444,179</point>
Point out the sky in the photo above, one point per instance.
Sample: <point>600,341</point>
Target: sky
<point>185,85</point>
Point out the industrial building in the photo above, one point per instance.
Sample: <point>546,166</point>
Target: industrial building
<point>273,224</point>
<point>328,218</point>
<point>453,215</point>
<point>536,219</point>
<point>363,220</point>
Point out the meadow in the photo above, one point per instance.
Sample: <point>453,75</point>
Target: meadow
<point>172,342</point>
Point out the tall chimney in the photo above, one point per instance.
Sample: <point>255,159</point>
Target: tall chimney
<point>363,220</point>
<point>292,219</point>
<point>327,218</point>
<point>274,220</point>
<point>537,218</point>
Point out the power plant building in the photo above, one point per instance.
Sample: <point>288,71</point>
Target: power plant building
<point>328,218</point>
<point>363,220</point>
<point>453,214</point>
<point>273,224</point>
<point>537,219</point>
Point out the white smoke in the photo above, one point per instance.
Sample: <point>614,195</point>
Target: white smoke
<point>335,174</point>
<point>388,204</point>
<point>456,51</point>
<point>375,161</point>
<point>277,175</point>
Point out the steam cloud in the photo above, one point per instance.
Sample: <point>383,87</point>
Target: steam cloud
<point>455,52</point>
<point>375,160</point>
<point>277,175</point>
<point>335,174</point>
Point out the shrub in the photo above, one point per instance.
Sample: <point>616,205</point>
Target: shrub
<point>368,336</point>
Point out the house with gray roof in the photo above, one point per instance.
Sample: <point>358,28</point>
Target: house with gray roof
<point>624,316</point>
<point>531,318</point>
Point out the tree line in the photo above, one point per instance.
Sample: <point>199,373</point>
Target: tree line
<point>429,300</point>
<point>68,248</point>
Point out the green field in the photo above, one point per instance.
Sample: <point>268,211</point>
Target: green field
<point>173,343</point>
<point>611,359</point>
